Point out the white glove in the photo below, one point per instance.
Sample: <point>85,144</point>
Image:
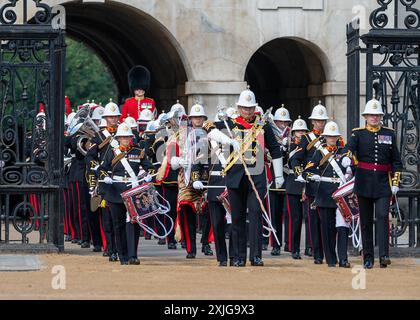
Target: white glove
<point>148,178</point>
<point>198,185</point>
<point>183,163</point>
<point>279,182</point>
<point>175,163</point>
<point>346,162</point>
<point>235,144</point>
<point>394,190</point>
<point>108,180</point>
<point>278,172</point>
<point>300,179</point>
<point>284,141</point>
<point>316,178</point>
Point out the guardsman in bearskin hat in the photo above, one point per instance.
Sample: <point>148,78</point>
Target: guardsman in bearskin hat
<point>120,170</point>
<point>249,135</point>
<point>318,118</point>
<point>139,83</point>
<point>377,178</point>
<point>325,170</point>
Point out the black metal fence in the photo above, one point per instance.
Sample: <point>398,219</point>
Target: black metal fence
<point>32,55</point>
<point>392,76</point>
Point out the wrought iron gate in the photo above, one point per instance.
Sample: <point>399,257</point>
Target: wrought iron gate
<point>391,49</point>
<point>31,128</point>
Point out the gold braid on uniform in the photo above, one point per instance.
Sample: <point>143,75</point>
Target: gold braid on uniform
<point>396,179</point>
<point>208,125</point>
<point>298,170</point>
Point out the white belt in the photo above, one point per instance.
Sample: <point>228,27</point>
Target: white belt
<point>331,180</point>
<point>287,170</point>
<point>125,179</point>
<point>216,173</point>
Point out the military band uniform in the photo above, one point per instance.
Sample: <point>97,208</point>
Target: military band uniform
<point>325,204</point>
<point>79,206</point>
<point>211,171</point>
<point>95,156</point>
<point>162,146</point>
<point>294,206</point>
<point>112,167</point>
<point>378,168</point>
<point>241,195</point>
<point>312,223</point>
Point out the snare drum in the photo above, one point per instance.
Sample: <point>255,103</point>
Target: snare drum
<point>347,201</point>
<point>141,202</point>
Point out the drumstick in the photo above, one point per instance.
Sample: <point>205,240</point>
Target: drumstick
<point>214,187</point>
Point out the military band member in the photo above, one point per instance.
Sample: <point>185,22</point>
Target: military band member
<point>212,168</point>
<point>277,199</point>
<point>166,143</point>
<point>318,118</point>
<point>294,188</point>
<point>190,199</point>
<point>139,83</point>
<point>250,137</point>
<point>100,146</point>
<point>120,170</point>
<point>77,182</point>
<point>325,170</point>
<point>377,178</point>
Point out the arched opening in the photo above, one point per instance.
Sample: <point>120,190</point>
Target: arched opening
<point>123,37</point>
<point>286,71</point>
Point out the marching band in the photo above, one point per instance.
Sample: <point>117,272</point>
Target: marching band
<point>244,176</point>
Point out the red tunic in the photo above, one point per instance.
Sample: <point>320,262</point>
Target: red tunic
<point>132,107</point>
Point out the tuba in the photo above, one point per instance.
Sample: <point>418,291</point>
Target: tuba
<point>82,124</point>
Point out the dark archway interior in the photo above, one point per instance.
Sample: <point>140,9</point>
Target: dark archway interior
<point>281,72</point>
<point>123,37</point>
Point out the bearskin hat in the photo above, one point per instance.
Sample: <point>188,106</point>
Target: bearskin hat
<point>139,78</point>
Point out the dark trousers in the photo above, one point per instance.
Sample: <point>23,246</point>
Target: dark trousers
<point>217,215</point>
<point>205,225</point>
<point>241,199</point>
<point>342,242</point>
<point>108,227</point>
<point>119,215</point>
<point>133,235</point>
<point>79,211</point>
<point>328,233</point>
<point>188,220</point>
<point>277,209</point>
<point>314,229</point>
<point>295,212</point>
<point>171,195</point>
<point>95,227</point>
<point>380,208</point>
<point>68,221</point>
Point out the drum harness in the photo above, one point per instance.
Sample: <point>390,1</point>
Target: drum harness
<point>354,225</point>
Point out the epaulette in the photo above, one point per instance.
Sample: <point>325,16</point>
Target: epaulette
<point>356,129</point>
<point>208,125</point>
<point>392,129</point>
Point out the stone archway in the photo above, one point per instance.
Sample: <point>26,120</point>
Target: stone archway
<point>287,71</point>
<point>124,36</point>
